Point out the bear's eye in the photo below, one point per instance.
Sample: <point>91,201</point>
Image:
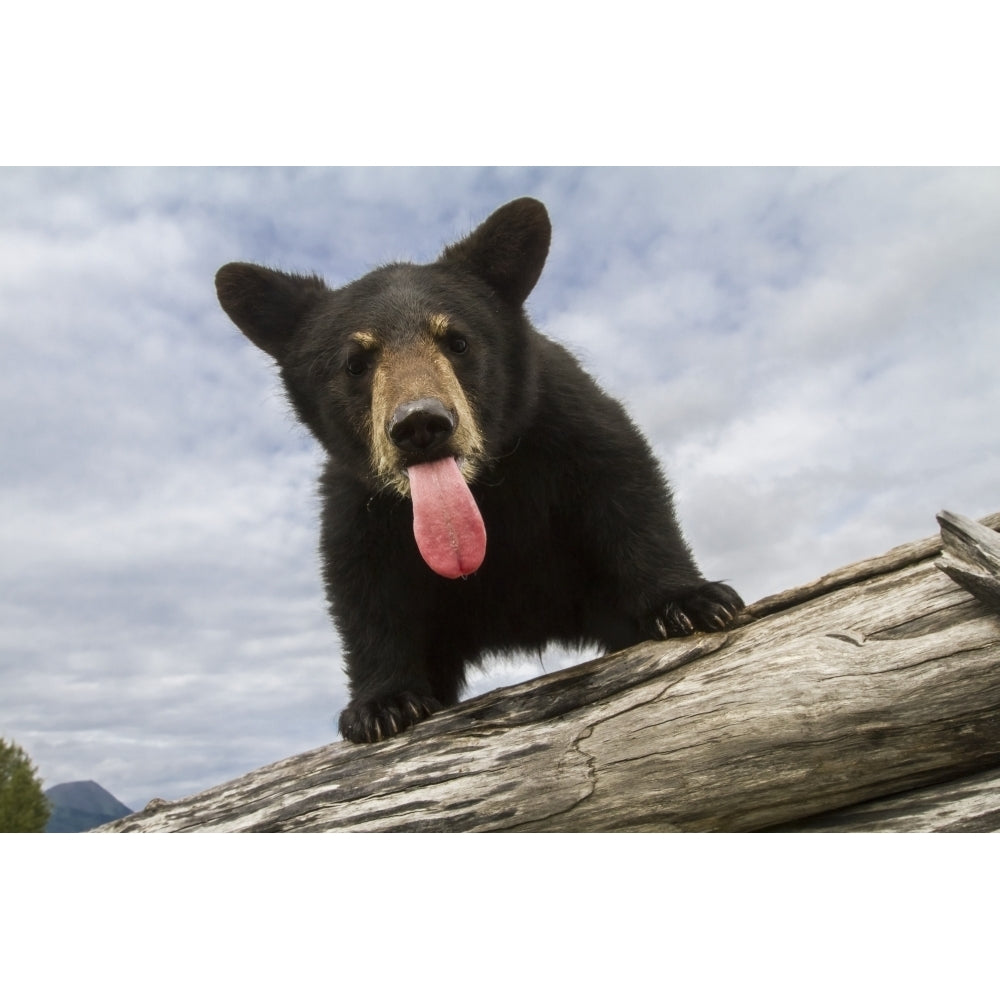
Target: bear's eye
<point>457,344</point>
<point>357,365</point>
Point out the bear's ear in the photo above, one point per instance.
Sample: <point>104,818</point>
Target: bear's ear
<point>266,305</point>
<point>508,250</point>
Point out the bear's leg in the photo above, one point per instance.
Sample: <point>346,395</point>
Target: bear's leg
<point>653,588</point>
<point>385,701</point>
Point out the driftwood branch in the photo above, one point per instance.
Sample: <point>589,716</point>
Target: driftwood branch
<point>876,680</point>
<point>971,557</point>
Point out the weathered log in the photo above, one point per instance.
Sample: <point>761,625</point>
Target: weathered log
<point>878,679</point>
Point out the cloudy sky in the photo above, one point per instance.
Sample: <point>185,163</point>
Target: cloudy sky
<point>813,354</point>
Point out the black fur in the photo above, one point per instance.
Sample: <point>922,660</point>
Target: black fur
<point>583,544</point>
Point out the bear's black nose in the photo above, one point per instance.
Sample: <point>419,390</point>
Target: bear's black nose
<point>421,425</point>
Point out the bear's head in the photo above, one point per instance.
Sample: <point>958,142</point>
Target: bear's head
<point>411,364</point>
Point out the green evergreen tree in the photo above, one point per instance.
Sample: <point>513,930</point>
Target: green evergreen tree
<point>23,805</point>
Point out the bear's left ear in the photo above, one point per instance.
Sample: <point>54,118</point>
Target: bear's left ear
<point>508,250</point>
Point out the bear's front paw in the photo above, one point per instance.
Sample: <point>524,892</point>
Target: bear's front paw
<point>379,718</point>
<point>710,607</point>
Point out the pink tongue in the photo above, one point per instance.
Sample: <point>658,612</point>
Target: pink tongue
<point>447,524</point>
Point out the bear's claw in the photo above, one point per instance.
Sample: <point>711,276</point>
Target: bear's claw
<point>377,719</point>
<point>710,607</point>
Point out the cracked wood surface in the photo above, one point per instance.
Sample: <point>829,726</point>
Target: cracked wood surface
<point>878,679</point>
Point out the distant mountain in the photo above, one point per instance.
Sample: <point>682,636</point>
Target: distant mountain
<point>82,805</point>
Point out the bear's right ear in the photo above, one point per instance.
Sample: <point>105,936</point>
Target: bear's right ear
<point>508,250</point>
<point>266,305</point>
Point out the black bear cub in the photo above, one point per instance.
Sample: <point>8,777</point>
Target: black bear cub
<point>481,493</point>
